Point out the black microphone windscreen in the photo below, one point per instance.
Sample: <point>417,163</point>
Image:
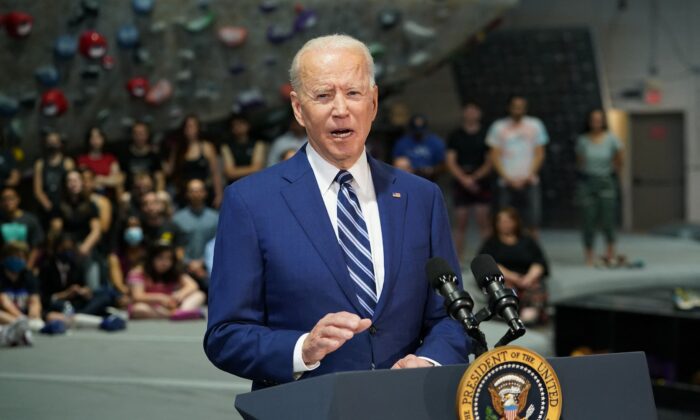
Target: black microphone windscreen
<point>436,268</point>
<point>484,266</point>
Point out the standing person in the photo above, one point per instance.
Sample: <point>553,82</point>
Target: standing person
<point>468,162</point>
<point>241,155</point>
<point>517,151</point>
<point>105,166</point>
<point>140,157</point>
<point>198,222</point>
<point>419,151</point>
<point>194,158</point>
<point>319,262</point>
<point>522,262</point>
<point>599,155</point>
<point>17,225</point>
<point>293,139</point>
<point>50,174</point>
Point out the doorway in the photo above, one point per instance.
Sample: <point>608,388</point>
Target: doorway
<point>657,169</point>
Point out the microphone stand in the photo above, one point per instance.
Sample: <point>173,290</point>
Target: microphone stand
<point>459,302</point>
<point>516,328</point>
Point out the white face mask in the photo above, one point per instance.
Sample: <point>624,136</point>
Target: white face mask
<point>133,235</point>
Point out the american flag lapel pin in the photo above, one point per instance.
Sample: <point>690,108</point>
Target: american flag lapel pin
<point>396,195</point>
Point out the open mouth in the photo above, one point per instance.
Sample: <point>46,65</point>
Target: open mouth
<point>342,133</point>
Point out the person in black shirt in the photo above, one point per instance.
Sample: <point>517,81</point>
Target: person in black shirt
<point>140,157</point>
<point>158,228</point>
<point>468,163</point>
<point>50,174</point>
<point>241,155</point>
<point>522,262</point>
<point>19,225</point>
<point>78,216</point>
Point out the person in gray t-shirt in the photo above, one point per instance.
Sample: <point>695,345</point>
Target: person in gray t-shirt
<point>199,224</point>
<point>599,156</point>
<point>293,139</point>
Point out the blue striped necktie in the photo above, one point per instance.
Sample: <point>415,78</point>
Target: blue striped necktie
<point>354,240</point>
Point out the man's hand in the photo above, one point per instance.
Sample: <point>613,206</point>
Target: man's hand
<point>411,361</point>
<point>331,332</point>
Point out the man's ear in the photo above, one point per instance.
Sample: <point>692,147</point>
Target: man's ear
<point>296,108</point>
<point>375,101</point>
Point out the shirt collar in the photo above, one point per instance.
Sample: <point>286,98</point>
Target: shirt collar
<point>325,171</point>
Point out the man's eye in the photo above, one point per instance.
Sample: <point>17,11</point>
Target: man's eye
<point>322,96</point>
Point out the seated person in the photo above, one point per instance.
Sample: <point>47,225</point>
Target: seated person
<point>522,263</point>
<point>78,217</point>
<point>19,289</point>
<point>161,289</point>
<point>199,223</point>
<point>130,253</point>
<point>158,227</point>
<point>65,293</point>
<point>19,225</point>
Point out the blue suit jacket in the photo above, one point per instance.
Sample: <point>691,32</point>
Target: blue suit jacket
<point>278,269</point>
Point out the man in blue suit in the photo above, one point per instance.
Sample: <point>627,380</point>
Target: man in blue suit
<point>319,264</point>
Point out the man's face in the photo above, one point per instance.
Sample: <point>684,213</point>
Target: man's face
<point>151,206</point>
<point>139,133</point>
<point>196,192</point>
<point>9,201</point>
<point>517,108</point>
<point>335,103</point>
<point>74,182</point>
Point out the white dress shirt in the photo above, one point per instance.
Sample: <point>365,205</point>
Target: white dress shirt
<point>362,184</point>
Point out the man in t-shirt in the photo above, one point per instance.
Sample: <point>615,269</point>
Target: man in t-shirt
<point>19,225</point>
<point>293,139</point>
<point>517,152</point>
<point>420,151</point>
<point>199,223</point>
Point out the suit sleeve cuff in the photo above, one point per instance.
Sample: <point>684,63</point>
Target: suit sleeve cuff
<point>427,359</point>
<point>299,366</point>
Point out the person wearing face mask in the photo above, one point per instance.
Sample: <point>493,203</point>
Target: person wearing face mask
<point>419,151</point>
<point>19,289</point>
<point>49,173</point>
<point>129,254</point>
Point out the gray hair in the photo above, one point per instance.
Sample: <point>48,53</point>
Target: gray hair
<point>330,42</point>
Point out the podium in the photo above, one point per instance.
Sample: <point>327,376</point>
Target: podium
<point>601,387</point>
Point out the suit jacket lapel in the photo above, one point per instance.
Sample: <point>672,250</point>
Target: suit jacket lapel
<point>305,202</point>
<point>391,201</point>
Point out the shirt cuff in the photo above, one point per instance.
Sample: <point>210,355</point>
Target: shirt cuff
<point>430,360</point>
<point>299,366</point>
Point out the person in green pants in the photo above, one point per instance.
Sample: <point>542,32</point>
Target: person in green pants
<point>599,156</point>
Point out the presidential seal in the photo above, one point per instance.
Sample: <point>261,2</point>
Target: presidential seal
<point>509,383</point>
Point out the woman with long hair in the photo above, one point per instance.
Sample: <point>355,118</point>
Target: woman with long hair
<point>599,155</point>
<point>522,263</point>
<point>194,158</point>
<point>49,174</point>
<point>161,289</point>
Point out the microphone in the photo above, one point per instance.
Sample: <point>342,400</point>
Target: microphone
<point>502,301</point>
<point>458,303</point>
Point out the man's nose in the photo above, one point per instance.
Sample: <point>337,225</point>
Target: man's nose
<point>340,106</point>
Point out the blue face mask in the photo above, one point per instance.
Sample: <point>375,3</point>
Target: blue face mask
<point>133,235</point>
<point>14,264</point>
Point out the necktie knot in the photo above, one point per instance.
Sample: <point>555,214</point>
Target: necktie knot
<point>343,178</point>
